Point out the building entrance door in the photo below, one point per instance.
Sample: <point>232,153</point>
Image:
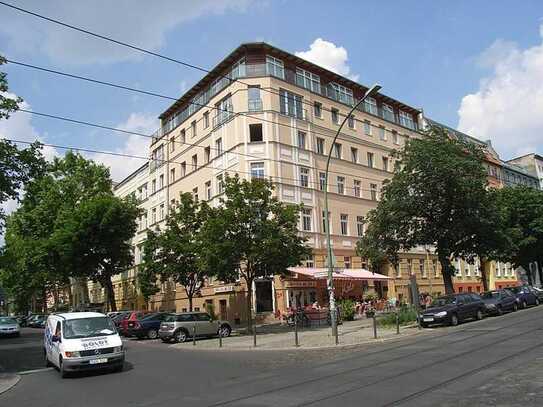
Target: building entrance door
<point>222,310</point>
<point>263,296</point>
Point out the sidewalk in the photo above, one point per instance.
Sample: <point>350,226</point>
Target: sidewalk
<point>277,337</point>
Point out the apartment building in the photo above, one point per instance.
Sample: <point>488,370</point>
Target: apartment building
<point>531,163</point>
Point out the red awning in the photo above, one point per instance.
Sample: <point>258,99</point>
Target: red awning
<point>339,274</point>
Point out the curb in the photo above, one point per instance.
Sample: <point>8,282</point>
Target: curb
<point>7,381</point>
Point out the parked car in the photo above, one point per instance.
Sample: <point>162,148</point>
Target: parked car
<point>524,296</point>
<point>120,317</point>
<point>180,327</point>
<point>37,321</point>
<point>148,326</point>
<point>452,309</point>
<point>498,301</point>
<point>130,317</point>
<point>538,292</point>
<point>9,327</point>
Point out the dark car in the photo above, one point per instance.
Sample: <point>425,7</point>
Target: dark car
<point>498,301</point>
<point>120,317</point>
<point>452,309</point>
<point>37,321</point>
<point>538,292</point>
<point>148,326</point>
<point>132,316</point>
<point>525,296</point>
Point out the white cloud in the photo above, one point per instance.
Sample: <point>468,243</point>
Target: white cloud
<point>120,166</point>
<point>329,56</point>
<point>508,106</point>
<point>143,23</point>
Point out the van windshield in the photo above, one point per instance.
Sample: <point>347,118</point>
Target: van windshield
<point>85,327</point>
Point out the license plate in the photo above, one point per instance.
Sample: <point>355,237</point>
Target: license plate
<point>427,319</point>
<point>97,361</point>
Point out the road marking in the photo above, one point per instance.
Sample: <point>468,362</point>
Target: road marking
<point>45,369</point>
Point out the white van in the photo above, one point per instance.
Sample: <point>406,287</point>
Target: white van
<point>78,341</point>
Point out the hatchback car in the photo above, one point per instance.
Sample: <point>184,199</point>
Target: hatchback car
<point>524,296</point>
<point>148,326</point>
<point>499,301</point>
<point>180,327</point>
<point>452,309</point>
<point>9,327</point>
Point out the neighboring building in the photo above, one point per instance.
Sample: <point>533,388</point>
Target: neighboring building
<point>532,164</point>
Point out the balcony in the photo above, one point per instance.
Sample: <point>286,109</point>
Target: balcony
<point>223,117</point>
<point>254,105</point>
<point>299,113</point>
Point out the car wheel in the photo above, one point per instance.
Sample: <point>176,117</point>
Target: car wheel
<point>537,301</point>
<point>180,336</point>
<point>454,320</point>
<point>524,305</point>
<point>515,307</point>
<point>479,315</point>
<point>499,310</point>
<point>225,331</point>
<point>152,334</point>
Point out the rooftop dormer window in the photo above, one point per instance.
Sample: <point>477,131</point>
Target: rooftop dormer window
<point>370,105</point>
<point>341,93</point>
<point>308,80</point>
<point>275,67</point>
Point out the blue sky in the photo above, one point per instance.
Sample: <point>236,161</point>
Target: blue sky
<point>483,58</point>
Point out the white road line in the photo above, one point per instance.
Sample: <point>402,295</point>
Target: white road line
<point>45,369</point>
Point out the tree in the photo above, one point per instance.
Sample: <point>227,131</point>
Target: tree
<point>95,239</point>
<point>435,198</point>
<point>178,253</point>
<point>255,235</point>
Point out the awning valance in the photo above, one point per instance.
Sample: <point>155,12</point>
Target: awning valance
<point>338,274</point>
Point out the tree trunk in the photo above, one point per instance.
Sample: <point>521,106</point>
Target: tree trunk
<point>44,296</point>
<point>540,271</point>
<point>55,297</point>
<point>446,269</point>
<point>484,276</point>
<point>528,273</point>
<point>249,301</point>
<point>189,296</point>
<point>110,294</point>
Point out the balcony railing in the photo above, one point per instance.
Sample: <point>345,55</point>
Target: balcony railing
<point>254,105</point>
<point>222,117</point>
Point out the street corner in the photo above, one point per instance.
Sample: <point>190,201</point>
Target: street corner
<point>7,381</point>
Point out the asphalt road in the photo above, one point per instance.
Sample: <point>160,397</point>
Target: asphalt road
<point>497,361</point>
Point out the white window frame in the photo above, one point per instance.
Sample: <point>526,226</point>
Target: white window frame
<point>357,188</point>
<point>304,177</point>
<point>341,185</point>
<point>322,180</point>
<point>257,170</point>
<point>344,94</point>
<point>370,106</point>
<point>275,67</point>
<point>307,220</point>
<point>344,224</point>
<point>360,226</point>
<point>308,80</point>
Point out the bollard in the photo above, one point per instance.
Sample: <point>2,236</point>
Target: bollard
<point>254,333</point>
<point>397,323</point>
<point>374,327</point>
<point>296,343</point>
<point>194,335</point>
<point>220,338</point>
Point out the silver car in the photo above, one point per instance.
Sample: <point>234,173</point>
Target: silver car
<point>9,326</point>
<point>180,327</point>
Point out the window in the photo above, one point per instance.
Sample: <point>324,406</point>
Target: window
<point>344,223</point>
<point>257,170</point>
<point>291,104</point>
<point>388,112</point>
<point>343,94</point>
<point>275,67</point>
<point>324,221</point>
<point>350,121</point>
<point>409,266</point>
<point>255,133</point>
<point>182,136</point>
<point>172,144</point>
<point>317,109</point>
<point>193,128</point>
<point>172,175</point>
<point>308,80</point>
<point>360,225</point>
<point>335,115</point>
<point>385,163</point>
<point>354,154</point>
<point>322,180</point>
<point>206,120</point>
<point>320,145</point>
<point>357,188</point>
<point>207,154</point>
<point>254,101</point>
<point>373,192</point>
<point>161,213</point>
<point>194,162</point>
<point>337,150</point>
<point>153,186</point>
<point>209,193</point>
<point>382,134</point>
<point>395,138</point>
<point>398,270</point>
<point>370,160</point>
<point>220,184</point>
<point>308,261</point>
<point>407,120</point>
<point>341,185</point>
<point>367,128</point>
<point>183,169</point>
<point>370,106</point>
<point>161,181</point>
<point>153,216</point>
<point>304,177</point>
<point>422,269</point>
<point>306,220</point>
<point>195,194</point>
<point>218,147</point>
<point>434,267</point>
<point>301,139</point>
<point>347,262</point>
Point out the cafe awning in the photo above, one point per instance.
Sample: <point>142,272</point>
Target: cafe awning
<point>338,274</point>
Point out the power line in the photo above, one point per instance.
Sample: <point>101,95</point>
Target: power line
<point>163,161</point>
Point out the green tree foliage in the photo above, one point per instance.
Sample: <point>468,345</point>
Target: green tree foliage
<point>179,252</point>
<point>256,235</point>
<point>436,198</point>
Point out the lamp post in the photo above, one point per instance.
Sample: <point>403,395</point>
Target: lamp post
<point>333,310</point>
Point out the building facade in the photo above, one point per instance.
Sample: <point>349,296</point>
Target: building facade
<point>531,163</point>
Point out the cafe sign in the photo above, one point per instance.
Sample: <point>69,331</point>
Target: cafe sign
<point>223,289</point>
<point>300,284</point>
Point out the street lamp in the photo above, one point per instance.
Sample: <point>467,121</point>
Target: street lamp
<point>333,311</point>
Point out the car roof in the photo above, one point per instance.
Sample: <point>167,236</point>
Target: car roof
<point>78,315</point>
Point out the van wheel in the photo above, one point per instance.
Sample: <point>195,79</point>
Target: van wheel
<point>63,373</point>
<point>152,334</point>
<point>180,336</point>
<point>47,363</point>
<point>454,320</point>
